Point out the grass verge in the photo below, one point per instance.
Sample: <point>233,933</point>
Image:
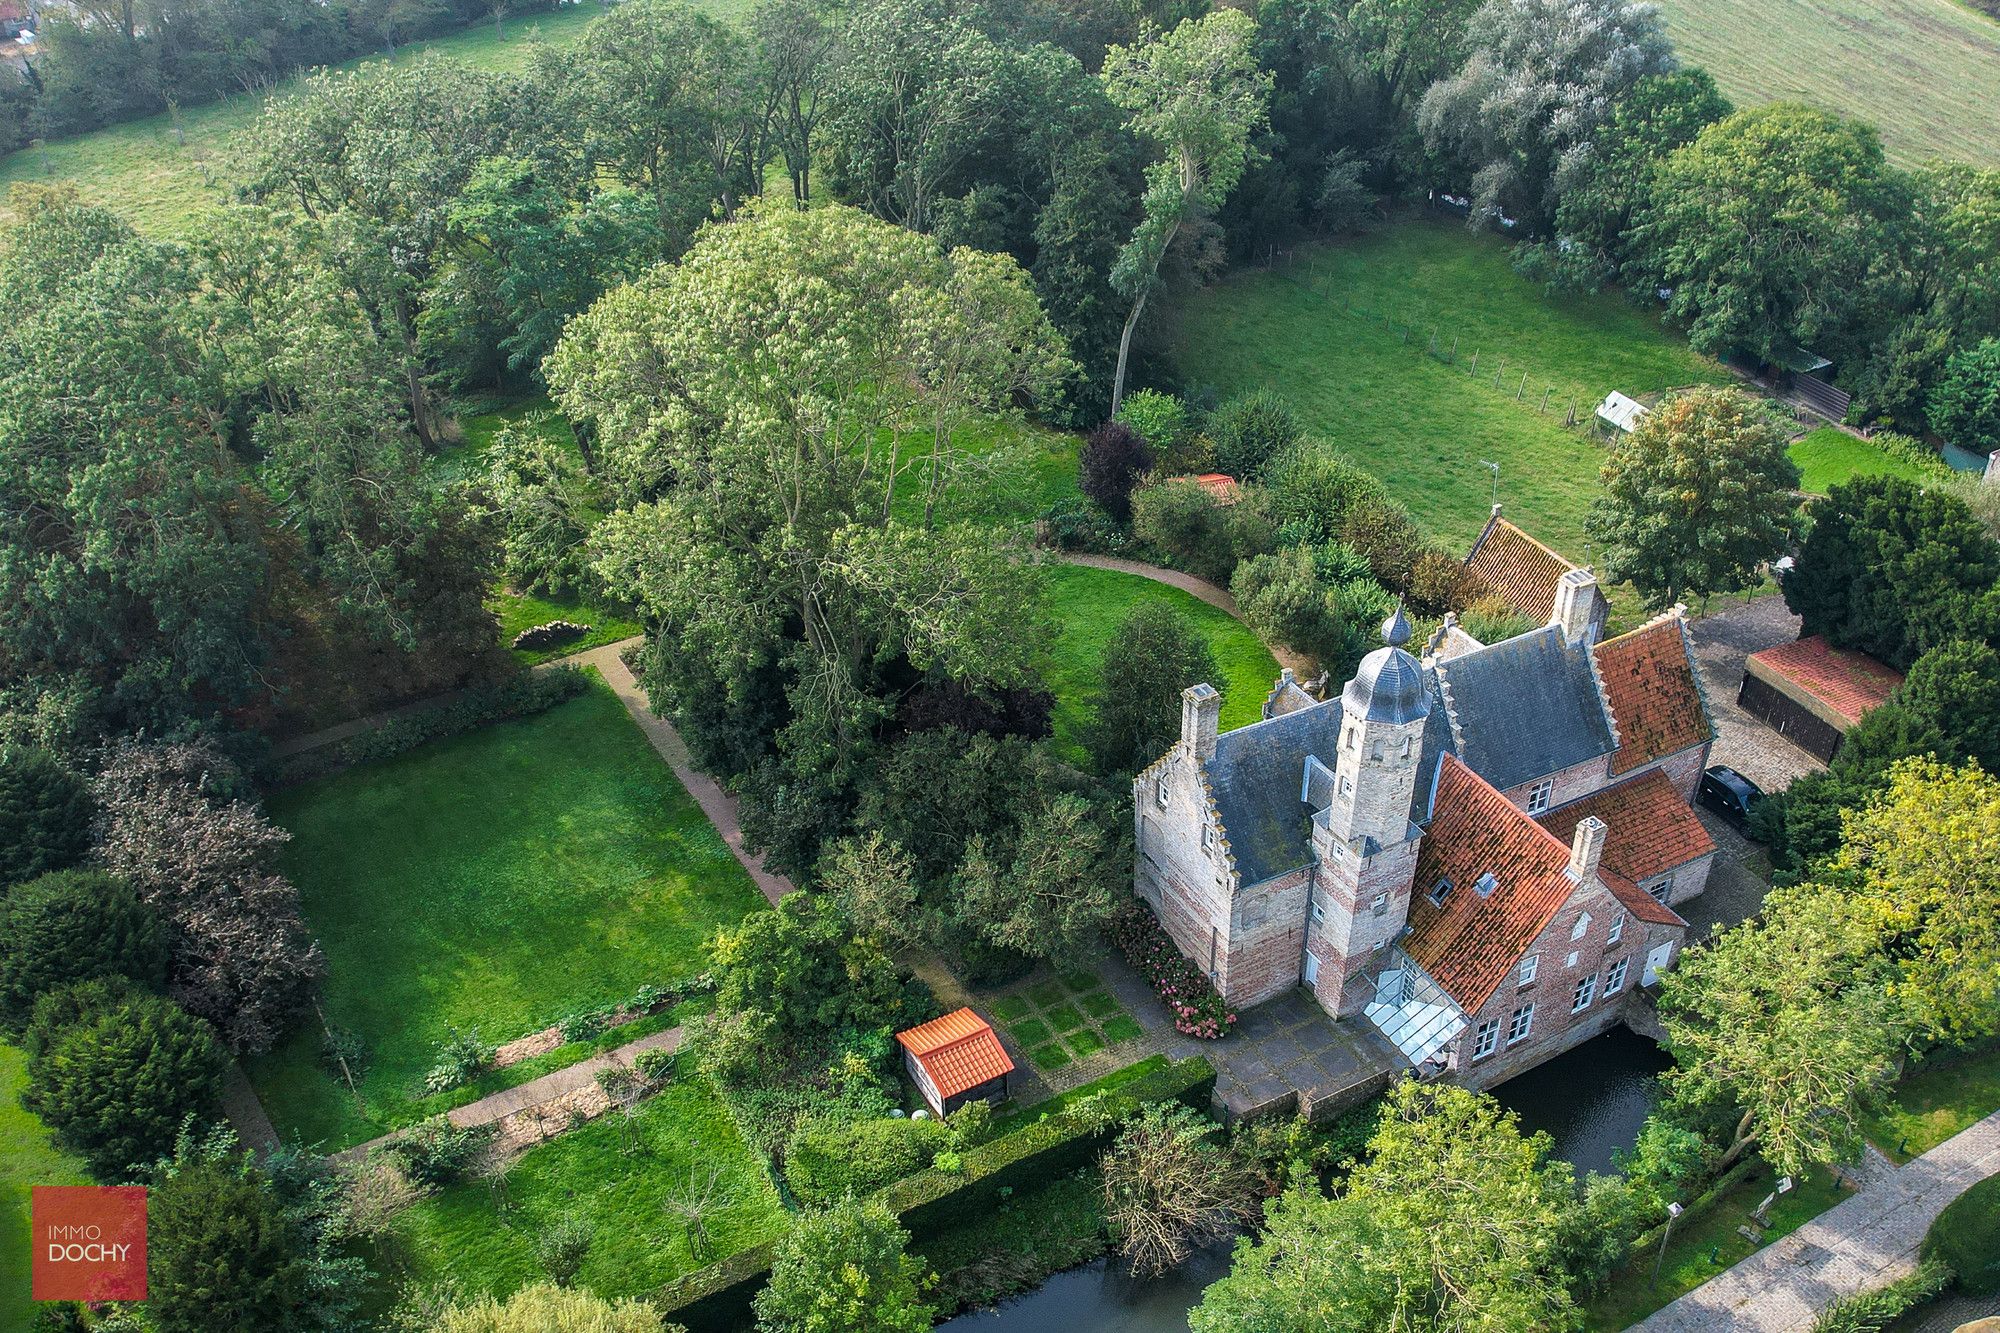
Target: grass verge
<point>1935,1100</point>
<point>27,1159</point>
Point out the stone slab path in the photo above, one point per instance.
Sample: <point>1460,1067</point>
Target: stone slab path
<point>717,804</point>
<point>1858,1245</point>
<point>497,1106</point>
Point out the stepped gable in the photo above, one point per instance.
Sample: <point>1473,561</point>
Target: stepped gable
<point>1654,692</point>
<point>1470,943</point>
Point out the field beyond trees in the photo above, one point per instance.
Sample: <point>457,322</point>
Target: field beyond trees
<point>1926,72</point>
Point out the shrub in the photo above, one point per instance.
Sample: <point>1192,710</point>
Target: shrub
<point>654,1067</point>
<point>70,926</point>
<point>1074,524</point>
<point>1964,404</point>
<point>829,1159</point>
<point>1183,521</point>
<point>1160,420</point>
<point>1250,429</point>
<point>223,1255</point>
<point>343,1052</point>
<point>549,1309</point>
<point>115,1085</point>
<point>563,1248</point>
<point>1966,1238</point>
<point>44,816</point>
<point>537,637</point>
<point>1114,458</point>
<point>434,1153</point>
<point>1188,994</point>
<point>844,1270</point>
<point>461,1058</point>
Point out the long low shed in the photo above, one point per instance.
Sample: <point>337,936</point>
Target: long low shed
<point>1812,693</point>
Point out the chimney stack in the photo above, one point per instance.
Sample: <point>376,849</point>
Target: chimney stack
<point>1586,849</point>
<point>1576,605</point>
<point>1201,719</point>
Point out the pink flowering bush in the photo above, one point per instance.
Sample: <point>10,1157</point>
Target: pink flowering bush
<point>1198,1011</point>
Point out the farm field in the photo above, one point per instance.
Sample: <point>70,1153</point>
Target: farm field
<point>1425,427</point>
<point>495,881</point>
<point>1088,606</point>
<point>1926,72</point>
<point>26,1159</point>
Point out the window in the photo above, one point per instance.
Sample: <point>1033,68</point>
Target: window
<point>1576,932</point>
<point>1521,1024</point>
<point>1160,793</point>
<point>1529,967</point>
<point>1617,930</point>
<point>1208,837</point>
<point>1485,885</point>
<point>1440,891</point>
<point>1539,794</point>
<point>1583,994</point>
<point>1319,912</point>
<point>1614,980</point>
<point>1570,961</point>
<point>1380,905</point>
<point>1485,1038</point>
<point>1661,888</point>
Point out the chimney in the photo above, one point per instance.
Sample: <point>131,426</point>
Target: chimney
<point>1201,717</point>
<point>1586,849</point>
<point>1576,605</point>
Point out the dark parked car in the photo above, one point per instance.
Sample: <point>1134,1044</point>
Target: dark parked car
<point>1728,793</point>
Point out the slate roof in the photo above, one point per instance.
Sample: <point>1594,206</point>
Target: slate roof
<point>1255,778</point>
<point>1652,830</point>
<point>1525,707</point>
<point>1848,683</point>
<point>1521,569</point>
<point>1470,944</point>
<point>1654,694</point>
<point>958,1051</point>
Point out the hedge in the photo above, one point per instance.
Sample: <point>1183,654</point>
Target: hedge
<point>716,1299</point>
<point>518,695</point>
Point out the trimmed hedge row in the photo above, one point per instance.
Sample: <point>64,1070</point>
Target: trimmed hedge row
<point>518,695</point>
<point>716,1299</point>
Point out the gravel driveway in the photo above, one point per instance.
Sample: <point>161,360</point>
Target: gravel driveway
<point>1721,643</point>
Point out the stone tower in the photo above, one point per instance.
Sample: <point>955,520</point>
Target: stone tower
<point>1364,843</point>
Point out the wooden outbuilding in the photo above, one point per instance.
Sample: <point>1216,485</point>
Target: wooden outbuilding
<point>956,1059</point>
<point>1812,693</point>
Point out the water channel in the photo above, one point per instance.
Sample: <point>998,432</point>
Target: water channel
<point>1591,1101</point>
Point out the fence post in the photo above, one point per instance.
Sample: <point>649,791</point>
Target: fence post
<point>1452,355</point>
<point>1474,368</point>
<point>1544,408</point>
<point>1522,392</point>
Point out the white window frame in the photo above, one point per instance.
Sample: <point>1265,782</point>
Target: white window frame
<point>1570,961</point>
<point>1440,891</point>
<point>1580,929</point>
<point>1617,930</point>
<point>1530,968</point>
<point>1380,904</point>
<point>1539,796</point>
<point>1661,890</point>
<point>1583,994</point>
<point>1614,979</point>
<point>1208,837</point>
<point>1160,791</point>
<point>1486,1039</point>
<point>1521,1024</point>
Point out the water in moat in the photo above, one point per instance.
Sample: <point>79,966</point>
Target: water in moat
<point>1591,1101</point>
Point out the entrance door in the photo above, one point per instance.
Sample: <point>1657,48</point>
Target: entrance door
<point>1656,962</point>
<point>1312,968</point>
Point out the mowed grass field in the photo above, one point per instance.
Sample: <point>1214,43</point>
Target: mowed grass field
<point>1925,72</point>
<point>27,1159</point>
<point>1425,427</point>
<point>143,171</point>
<point>498,880</point>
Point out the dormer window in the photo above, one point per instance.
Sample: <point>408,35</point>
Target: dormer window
<point>1440,891</point>
<point>1577,931</point>
<point>1539,796</point>
<point>1485,885</point>
<point>1160,792</point>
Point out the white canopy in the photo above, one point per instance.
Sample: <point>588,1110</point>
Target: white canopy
<point>1621,411</point>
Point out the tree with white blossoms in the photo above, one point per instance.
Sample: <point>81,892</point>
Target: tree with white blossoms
<point>1196,95</point>
<point>1543,77</point>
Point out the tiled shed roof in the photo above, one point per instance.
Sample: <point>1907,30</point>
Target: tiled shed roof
<point>1525,707</point>
<point>1652,830</point>
<point>1655,697</point>
<point>958,1051</point>
<point>1639,902</point>
<point>1521,569</point>
<point>1469,944</point>
<point>1847,682</point>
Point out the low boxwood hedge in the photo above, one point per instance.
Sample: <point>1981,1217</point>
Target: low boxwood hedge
<point>716,1299</point>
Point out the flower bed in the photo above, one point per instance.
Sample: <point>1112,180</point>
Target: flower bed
<point>1198,1011</point>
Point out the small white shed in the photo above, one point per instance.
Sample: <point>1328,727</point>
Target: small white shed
<point>1622,412</point>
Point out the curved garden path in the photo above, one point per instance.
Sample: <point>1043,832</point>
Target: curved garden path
<point>1216,597</point>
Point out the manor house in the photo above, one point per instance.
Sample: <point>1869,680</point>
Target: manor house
<point>1477,851</point>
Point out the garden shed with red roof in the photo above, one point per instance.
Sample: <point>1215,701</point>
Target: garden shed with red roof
<point>956,1059</point>
<point>1812,693</point>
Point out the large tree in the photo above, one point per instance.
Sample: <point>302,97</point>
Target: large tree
<point>844,1270</point>
<point>1697,498</point>
<point>1195,94</point>
<point>71,926</point>
<point>1156,653</point>
<point>44,815</point>
<point>1542,79</point>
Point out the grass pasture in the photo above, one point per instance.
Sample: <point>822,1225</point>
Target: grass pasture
<point>497,880</point>
<point>1925,72</point>
<point>1425,427</point>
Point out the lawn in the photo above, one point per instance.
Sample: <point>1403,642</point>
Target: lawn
<point>462,1235</point>
<point>497,880</point>
<point>1937,1099</point>
<point>1926,72</point>
<point>1424,427</point>
<point>1827,457</point>
<point>1632,1293</point>
<point>26,1160</point>
<point>1089,605</point>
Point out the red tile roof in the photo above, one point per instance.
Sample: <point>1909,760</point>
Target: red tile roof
<point>1649,682</point>
<point>958,1051</point>
<point>1846,682</point>
<point>1652,830</point>
<point>1220,485</point>
<point>1639,902</point>
<point>1470,944</point>
<point>1522,570</point>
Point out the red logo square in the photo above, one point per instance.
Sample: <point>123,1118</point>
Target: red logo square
<point>90,1242</point>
